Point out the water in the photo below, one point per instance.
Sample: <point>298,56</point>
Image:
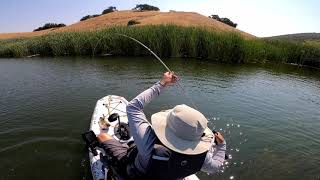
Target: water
<point>269,115</point>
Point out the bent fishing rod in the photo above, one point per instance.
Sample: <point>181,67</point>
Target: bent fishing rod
<point>157,57</point>
<point>167,68</point>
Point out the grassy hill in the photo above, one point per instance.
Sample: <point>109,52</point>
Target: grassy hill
<point>185,19</point>
<point>300,37</point>
<point>169,34</point>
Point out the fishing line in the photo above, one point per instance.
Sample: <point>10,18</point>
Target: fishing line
<point>155,55</point>
<point>158,58</point>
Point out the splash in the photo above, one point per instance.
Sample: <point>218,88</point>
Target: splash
<point>234,134</point>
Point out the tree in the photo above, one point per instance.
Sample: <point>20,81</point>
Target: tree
<point>89,17</point>
<point>110,9</point>
<point>145,7</point>
<point>132,22</point>
<point>229,22</point>
<point>85,17</point>
<point>49,26</point>
<point>224,20</point>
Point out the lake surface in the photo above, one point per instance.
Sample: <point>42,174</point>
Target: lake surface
<point>269,115</point>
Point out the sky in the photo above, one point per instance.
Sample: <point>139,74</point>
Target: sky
<point>261,18</point>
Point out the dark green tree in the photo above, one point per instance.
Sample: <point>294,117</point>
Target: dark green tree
<point>89,17</point>
<point>224,20</point>
<point>49,26</point>
<point>110,9</point>
<point>145,7</point>
<point>132,22</point>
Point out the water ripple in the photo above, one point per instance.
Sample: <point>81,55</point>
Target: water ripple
<point>55,140</point>
<point>48,103</point>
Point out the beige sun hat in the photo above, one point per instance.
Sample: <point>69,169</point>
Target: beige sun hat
<point>183,130</point>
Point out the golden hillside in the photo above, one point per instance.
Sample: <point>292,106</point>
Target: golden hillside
<point>145,18</point>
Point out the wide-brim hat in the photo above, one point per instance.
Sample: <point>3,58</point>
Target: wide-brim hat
<point>183,130</point>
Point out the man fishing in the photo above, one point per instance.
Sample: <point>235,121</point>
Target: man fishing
<point>176,144</point>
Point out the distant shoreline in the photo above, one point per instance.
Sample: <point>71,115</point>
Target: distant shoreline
<point>166,41</point>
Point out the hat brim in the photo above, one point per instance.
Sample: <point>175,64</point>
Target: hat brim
<point>175,143</point>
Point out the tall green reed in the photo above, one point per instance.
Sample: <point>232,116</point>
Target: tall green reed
<point>166,41</point>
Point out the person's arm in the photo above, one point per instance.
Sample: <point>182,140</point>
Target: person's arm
<point>215,156</point>
<point>139,126</point>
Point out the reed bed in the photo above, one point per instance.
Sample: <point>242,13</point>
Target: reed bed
<point>166,41</point>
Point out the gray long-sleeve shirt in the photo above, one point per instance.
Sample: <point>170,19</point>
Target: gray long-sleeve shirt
<point>145,137</point>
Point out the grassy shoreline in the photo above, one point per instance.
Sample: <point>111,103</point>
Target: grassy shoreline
<point>166,41</point>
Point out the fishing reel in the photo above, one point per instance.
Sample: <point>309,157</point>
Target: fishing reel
<point>122,129</point>
<point>216,142</point>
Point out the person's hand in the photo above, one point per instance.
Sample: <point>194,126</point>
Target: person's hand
<point>169,78</point>
<point>219,137</point>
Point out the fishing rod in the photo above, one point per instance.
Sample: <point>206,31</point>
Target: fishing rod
<point>157,57</point>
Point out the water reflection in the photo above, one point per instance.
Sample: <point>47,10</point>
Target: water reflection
<point>269,114</point>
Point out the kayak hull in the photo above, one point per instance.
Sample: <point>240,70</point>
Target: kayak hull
<point>103,109</point>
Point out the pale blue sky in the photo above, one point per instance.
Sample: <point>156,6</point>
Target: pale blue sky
<point>258,17</point>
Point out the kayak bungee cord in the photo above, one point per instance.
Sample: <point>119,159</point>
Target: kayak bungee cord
<point>158,58</point>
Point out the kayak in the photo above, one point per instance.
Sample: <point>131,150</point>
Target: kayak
<point>110,117</point>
